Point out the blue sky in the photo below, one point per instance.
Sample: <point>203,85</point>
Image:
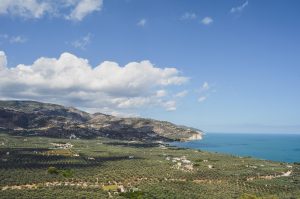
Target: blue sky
<point>226,66</point>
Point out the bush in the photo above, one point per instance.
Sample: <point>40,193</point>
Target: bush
<point>67,173</point>
<point>133,195</point>
<point>53,170</point>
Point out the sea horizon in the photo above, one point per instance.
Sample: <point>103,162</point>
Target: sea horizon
<point>252,133</point>
<point>274,147</point>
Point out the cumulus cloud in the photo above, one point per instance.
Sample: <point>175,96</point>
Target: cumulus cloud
<point>71,80</point>
<point>207,20</point>
<point>82,42</point>
<point>239,8</point>
<point>74,10</point>
<point>141,22</point>
<point>188,16</point>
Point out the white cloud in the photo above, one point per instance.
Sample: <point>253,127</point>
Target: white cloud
<point>25,8</point>
<point>12,39</point>
<point>205,86</point>
<point>202,99</point>
<point>161,93</point>
<point>71,80</point>
<point>207,20</point>
<point>3,60</point>
<point>109,111</point>
<point>170,105</point>
<point>17,39</point>
<point>239,8</point>
<point>131,102</point>
<point>188,16</point>
<point>142,22</point>
<point>204,91</point>
<point>181,94</point>
<point>74,10</point>
<point>82,42</point>
<point>83,8</point>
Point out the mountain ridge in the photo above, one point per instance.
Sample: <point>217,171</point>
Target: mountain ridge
<point>45,119</point>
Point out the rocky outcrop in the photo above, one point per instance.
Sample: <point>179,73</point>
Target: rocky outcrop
<point>43,119</point>
<point>198,136</point>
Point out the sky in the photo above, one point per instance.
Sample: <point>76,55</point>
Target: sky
<point>220,66</point>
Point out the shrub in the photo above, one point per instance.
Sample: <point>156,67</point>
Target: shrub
<point>133,195</point>
<point>52,170</point>
<point>67,173</point>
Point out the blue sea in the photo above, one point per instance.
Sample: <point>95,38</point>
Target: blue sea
<point>277,147</point>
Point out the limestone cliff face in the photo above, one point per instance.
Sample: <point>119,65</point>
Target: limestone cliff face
<point>196,136</point>
<point>35,118</point>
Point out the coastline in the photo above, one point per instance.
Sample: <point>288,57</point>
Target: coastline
<point>277,147</point>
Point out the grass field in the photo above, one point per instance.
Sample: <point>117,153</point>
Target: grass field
<point>40,167</point>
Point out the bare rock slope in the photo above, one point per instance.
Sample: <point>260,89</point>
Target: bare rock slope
<point>44,119</point>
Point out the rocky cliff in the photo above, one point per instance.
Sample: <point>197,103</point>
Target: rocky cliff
<point>44,119</point>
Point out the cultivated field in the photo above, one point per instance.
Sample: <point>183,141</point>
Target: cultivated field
<point>40,167</point>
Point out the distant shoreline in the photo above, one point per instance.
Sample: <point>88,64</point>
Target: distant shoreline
<point>273,147</point>
<point>254,133</point>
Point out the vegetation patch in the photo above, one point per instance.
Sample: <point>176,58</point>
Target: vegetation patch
<point>110,187</point>
<point>53,170</point>
<point>64,172</point>
<point>133,195</point>
<point>107,170</point>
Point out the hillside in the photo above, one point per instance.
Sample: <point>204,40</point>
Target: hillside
<point>31,118</point>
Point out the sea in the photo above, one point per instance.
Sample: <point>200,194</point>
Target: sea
<point>276,147</point>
